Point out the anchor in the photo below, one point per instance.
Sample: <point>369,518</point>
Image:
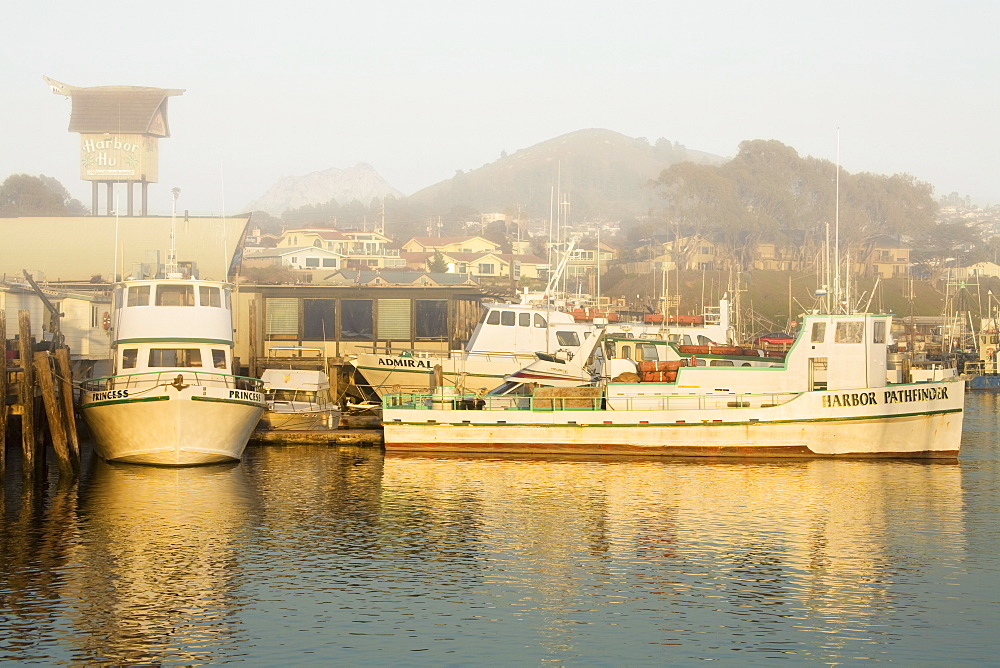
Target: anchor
<point>179,383</point>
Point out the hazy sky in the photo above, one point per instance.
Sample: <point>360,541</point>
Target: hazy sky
<point>422,89</point>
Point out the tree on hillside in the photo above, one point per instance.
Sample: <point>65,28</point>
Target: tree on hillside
<point>769,191</point>
<point>24,195</point>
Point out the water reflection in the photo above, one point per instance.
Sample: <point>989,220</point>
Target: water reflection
<point>301,554</point>
<point>735,550</point>
<point>157,571</point>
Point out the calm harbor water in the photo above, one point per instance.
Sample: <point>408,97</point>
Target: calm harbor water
<point>300,555</point>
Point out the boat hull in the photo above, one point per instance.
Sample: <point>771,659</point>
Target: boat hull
<point>318,420</point>
<point>896,423</point>
<point>167,427</point>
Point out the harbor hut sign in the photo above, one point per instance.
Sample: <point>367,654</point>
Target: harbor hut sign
<point>129,157</point>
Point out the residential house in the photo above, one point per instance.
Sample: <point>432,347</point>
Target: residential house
<point>301,258</point>
<point>886,258</point>
<point>695,252</point>
<point>360,249</point>
<point>467,244</point>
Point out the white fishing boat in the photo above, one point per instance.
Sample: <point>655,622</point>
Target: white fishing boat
<point>298,400</point>
<point>830,395</point>
<point>507,338</point>
<point>172,399</point>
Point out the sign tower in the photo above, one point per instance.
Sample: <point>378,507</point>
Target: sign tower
<point>119,128</point>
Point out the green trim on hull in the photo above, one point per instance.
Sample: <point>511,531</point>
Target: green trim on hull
<point>221,342</point>
<point>137,400</point>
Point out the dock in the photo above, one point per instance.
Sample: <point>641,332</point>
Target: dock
<point>360,437</point>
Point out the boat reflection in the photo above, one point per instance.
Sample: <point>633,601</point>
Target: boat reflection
<point>159,572</point>
<point>822,540</point>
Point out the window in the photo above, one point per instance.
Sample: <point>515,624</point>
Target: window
<point>878,331</point>
<point>329,262</point>
<point>850,332</point>
<point>95,318</point>
<point>174,357</point>
<point>219,358</point>
<point>524,320</point>
<point>540,321</point>
<point>138,295</point>
<point>627,352</point>
<point>356,320</point>
<point>431,318</point>
<point>818,332</point>
<point>318,319</point>
<point>174,295</point>
<point>281,319</point>
<point>646,352</point>
<point>507,318</point>
<point>493,318</point>
<point>129,358</point>
<point>568,339</point>
<point>486,268</point>
<point>722,363</point>
<point>312,261</point>
<point>210,296</point>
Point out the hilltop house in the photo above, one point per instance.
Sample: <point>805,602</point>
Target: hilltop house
<point>886,258</point>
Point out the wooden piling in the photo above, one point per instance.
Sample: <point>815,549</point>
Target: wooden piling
<point>252,315</point>
<point>54,411</point>
<point>26,396</point>
<point>3,396</point>
<point>65,374</point>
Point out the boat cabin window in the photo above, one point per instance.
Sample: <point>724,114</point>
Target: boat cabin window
<point>292,395</point>
<point>129,358</point>
<point>722,363</point>
<point>174,357</point>
<point>493,318</point>
<point>626,352</point>
<point>704,340</point>
<point>850,332</point>
<point>540,321</point>
<point>878,331</point>
<point>174,295</point>
<point>524,320</point>
<point>138,295</point>
<point>218,358</point>
<point>646,352</point>
<point>818,332</point>
<point>568,338</point>
<point>209,296</point>
<point>507,318</point>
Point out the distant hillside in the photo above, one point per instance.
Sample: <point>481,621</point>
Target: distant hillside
<point>361,183</point>
<point>603,173</point>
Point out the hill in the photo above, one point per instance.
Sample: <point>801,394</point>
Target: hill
<point>601,172</point>
<point>361,183</point>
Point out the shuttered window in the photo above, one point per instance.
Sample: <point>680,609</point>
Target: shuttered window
<point>393,320</point>
<point>282,319</point>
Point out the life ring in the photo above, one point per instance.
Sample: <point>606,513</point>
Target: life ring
<point>990,353</point>
<point>106,320</point>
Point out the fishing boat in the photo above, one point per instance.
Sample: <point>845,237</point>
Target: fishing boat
<point>830,395</point>
<point>298,399</point>
<point>508,336</point>
<point>172,399</point>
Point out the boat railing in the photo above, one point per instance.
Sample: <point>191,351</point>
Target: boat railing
<point>584,401</point>
<point>175,377</point>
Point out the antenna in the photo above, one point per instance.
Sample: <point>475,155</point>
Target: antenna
<point>225,224</point>
<point>172,251</point>
<point>836,243</point>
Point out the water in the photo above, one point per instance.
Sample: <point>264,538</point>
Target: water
<point>301,555</point>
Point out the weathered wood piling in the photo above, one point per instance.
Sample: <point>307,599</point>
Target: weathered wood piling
<point>38,375</point>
